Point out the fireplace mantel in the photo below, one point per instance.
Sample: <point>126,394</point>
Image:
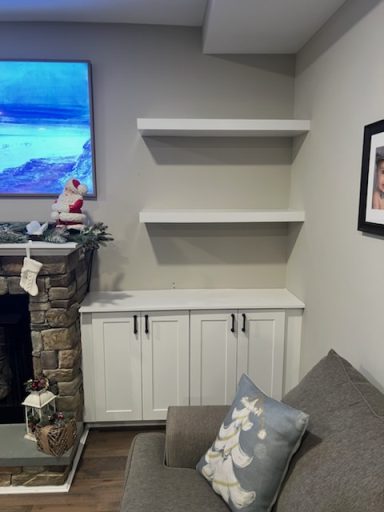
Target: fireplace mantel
<point>38,249</point>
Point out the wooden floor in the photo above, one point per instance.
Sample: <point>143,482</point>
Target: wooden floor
<point>98,483</point>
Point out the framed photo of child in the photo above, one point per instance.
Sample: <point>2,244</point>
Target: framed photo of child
<point>371,207</point>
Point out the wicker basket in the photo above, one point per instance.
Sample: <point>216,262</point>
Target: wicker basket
<point>55,440</point>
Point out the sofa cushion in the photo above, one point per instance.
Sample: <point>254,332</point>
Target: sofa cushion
<point>249,458</point>
<point>151,486</point>
<point>340,464</point>
<point>190,431</point>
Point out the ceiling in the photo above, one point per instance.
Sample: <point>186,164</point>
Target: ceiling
<point>229,26</point>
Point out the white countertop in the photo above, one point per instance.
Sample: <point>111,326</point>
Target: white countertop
<point>190,299</point>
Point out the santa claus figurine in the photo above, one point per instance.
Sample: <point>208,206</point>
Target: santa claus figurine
<point>66,210</point>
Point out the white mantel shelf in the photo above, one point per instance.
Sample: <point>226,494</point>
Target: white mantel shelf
<point>223,127</point>
<point>189,299</point>
<point>220,216</point>
<point>37,249</point>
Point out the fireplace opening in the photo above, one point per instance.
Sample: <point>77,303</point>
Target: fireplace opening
<point>15,356</point>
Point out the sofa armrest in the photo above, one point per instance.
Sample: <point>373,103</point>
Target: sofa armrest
<point>190,431</point>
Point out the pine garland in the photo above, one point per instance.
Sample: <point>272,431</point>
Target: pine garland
<point>56,236</point>
<point>10,236</point>
<point>90,238</point>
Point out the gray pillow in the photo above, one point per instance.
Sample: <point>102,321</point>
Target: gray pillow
<point>247,462</point>
<point>340,464</point>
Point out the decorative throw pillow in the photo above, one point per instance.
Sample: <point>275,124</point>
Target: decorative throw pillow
<point>247,462</point>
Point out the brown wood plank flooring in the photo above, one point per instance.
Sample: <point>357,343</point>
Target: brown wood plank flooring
<point>98,483</point>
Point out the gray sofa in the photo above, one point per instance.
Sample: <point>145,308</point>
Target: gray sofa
<point>339,466</point>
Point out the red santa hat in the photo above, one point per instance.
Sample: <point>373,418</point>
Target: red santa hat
<point>75,185</point>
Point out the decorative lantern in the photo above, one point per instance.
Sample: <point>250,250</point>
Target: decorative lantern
<point>39,405</point>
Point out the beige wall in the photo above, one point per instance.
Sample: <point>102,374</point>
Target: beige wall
<point>144,71</point>
<point>159,71</point>
<point>334,268</point>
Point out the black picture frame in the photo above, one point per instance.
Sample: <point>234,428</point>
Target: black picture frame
<point>371,204</point>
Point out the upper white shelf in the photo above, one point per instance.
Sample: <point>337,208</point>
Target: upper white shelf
<point>220,216</point>
<point>223,127</point>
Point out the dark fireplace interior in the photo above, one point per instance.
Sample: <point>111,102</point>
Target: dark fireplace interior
<point>15,356</point>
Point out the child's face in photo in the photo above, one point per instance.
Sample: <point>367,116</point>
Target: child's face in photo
<point>380,176</point>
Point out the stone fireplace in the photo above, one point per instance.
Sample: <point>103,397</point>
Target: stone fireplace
<point>54,321</point>
<point>50,337</point>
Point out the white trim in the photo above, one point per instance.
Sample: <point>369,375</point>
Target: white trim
<point>37,249</point>
<point>293,329</point>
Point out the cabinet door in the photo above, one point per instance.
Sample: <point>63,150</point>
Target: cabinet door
<point>213,357</point>
<point>165,358</point>
<point>261,349</point>
<point>117,364</point>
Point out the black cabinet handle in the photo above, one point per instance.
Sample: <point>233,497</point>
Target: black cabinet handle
<point>146,325</point>
<point>135,324</point>
<point>244,320</point>
<point>233,322</point>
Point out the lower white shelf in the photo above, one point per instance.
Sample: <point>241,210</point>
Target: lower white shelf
<point>223,127</point>
<point>220,216</point>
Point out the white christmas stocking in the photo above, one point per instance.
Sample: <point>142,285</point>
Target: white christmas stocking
<point>28,275</point>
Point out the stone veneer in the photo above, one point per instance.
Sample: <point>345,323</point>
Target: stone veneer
<point>32,476</point>
<point>55,321</point>
<point>56,343</point>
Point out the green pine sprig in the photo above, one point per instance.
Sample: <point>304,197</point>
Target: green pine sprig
<point>92,237</point>
<point>10,236</point>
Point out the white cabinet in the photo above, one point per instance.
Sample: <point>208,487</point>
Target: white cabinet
<point>165,362</point>
<point>213,358</point>
<point>137,364</point>
<point>225,344</point>
<point>117,367</point>
<point>260,349</point>
<point>144,350</point>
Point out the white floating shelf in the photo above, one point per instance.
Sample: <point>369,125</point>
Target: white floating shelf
<point>223,127</point>
<point>220,216</point>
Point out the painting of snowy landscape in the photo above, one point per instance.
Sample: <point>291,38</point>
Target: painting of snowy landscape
<point>45,127</point>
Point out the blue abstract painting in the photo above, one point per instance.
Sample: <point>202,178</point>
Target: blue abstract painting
<point>46,127</point>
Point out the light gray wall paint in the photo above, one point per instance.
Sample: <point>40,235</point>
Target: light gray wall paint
<point>334,268</point>
<point>146,71</point>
